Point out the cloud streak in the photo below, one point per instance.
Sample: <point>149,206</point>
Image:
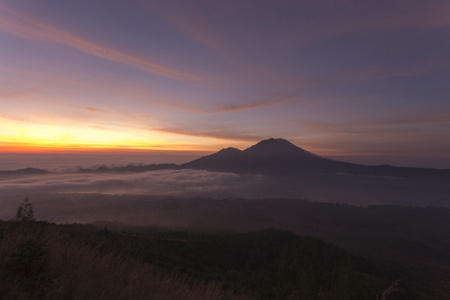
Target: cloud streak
<point>27,27</point>
<point>442,118</point>
<point>193,27</point>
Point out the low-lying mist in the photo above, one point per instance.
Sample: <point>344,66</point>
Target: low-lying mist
<point>164,182</point>
<point>81,197</point>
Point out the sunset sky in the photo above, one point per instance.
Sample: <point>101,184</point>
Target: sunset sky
<point>368,81</point>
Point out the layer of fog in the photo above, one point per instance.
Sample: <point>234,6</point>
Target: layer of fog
<point>84,197</point>
<point>164,182</point>
<point>167,183</point>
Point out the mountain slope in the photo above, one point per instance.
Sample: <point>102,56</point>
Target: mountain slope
<point>272,155</point>
<point>26,171</point>
<point>280,156</point>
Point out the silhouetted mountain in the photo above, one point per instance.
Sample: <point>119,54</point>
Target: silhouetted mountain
<point>26,171</point>
<point>274,156</point>
<point>277,146</point>
<point>281,155</point>
<point>268,156</point>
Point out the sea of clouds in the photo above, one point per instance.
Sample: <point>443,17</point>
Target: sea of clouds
<point>74,196</point>
<point>165,182</point>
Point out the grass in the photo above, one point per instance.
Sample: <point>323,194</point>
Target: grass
<point>41,261</point>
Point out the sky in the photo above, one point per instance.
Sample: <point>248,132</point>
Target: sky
<point>365,81</point>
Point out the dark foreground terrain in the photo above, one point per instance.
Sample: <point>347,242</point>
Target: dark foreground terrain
<point>384,252</point>
<point>412,244</point>
<point>40,260</point>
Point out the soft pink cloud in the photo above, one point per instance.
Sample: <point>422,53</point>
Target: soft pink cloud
<point>442,118</point>
<point>215,133</point>
<point>194,28</point>
<point>27,88</point>
<point>93,110</point>
<point>396,136</point>
<point>285,37</point>
<point>25,26</point>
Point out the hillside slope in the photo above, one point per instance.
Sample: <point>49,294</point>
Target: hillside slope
<point>47,261</point>
<point>279,156</point>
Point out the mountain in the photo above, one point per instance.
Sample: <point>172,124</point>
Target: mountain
<point>271,156</point>
<point>274,156</point>
<point>26,171</point>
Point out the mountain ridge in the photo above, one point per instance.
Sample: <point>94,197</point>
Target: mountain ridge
<point>270,156</point>
<point>278,156</point>
<point>25,171</point>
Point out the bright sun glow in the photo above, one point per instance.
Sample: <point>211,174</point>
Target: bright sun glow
<point>23,136</point>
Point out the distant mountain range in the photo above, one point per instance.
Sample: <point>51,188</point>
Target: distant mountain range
<point>26,171</point>
<point>271,156</point>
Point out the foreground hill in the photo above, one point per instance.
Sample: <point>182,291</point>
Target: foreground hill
<point>47,261</point>
<point>413,240</point>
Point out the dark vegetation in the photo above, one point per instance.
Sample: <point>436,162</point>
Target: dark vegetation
<point>413,243</point>
<point>220,250</point>
<point>40,260</point>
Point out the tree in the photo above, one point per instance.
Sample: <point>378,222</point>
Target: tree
<point>25,211</point>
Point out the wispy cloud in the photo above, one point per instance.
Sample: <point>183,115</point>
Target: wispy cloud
<point>193,26</point>
<point>383,125</point>
<point>357,16</point>
<point>25,26</point>
<point>361,74</point>
<point>132,92</point>
<point>288,36</point>
<point>421,135</point>
<point>215,133</point>
<point>272,100</point>
<point>93,110</point>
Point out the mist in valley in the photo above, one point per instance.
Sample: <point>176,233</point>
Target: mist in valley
<point>87,197</point>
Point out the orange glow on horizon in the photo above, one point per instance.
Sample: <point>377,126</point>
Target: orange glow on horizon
<point>52,148</point>
<point>32,137</point>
